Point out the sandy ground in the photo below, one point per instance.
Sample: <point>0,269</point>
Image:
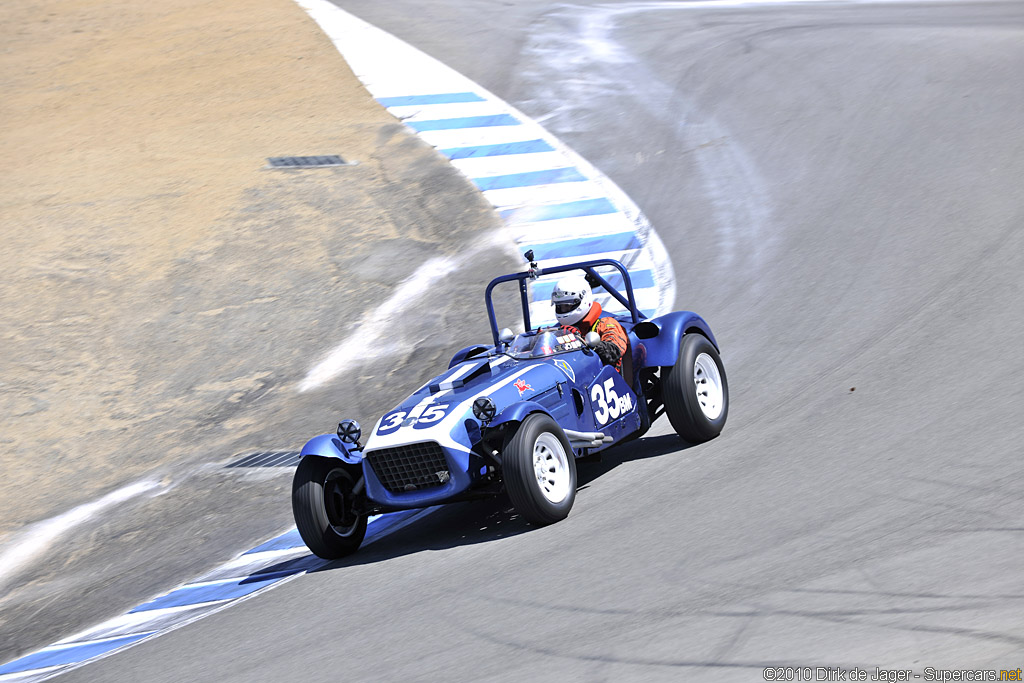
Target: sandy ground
<point>163,292</point>
<point>139,132</point>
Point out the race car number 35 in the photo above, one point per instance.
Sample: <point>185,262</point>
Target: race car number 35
<point>430,415</point>
<point>609,404</point>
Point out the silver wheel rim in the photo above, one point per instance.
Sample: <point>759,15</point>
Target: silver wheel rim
<point>551,467</point>
<point>336,506</point>
<point>707,381</point>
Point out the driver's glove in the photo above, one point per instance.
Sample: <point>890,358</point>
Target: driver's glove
<point>608,352</point>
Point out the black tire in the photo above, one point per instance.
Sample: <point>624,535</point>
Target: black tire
<point>322,503</point>
<point>538,503</point>
<point>684,392</point>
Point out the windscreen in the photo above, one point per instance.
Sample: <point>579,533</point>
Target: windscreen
<point>546,342</point>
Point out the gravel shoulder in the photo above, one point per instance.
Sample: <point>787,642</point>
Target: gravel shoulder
<point>164,292</point>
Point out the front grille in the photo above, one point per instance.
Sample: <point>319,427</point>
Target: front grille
<point>412,467</point>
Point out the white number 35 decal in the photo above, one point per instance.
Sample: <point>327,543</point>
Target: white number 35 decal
<point>433,413</point>
<point>609,404</point>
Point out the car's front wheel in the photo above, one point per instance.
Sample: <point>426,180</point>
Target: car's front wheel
<point>540,471</point>
<point>324,506</point>
<point>695,390</point>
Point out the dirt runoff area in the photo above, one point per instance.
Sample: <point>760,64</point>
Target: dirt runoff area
<point>163,292</point>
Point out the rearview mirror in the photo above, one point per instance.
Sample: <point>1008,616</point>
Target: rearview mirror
<point>506,336</point>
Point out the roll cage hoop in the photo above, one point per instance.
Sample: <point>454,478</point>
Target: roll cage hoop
<point>628,301</point>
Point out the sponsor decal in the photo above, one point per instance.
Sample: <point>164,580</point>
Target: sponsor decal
<point>566,368</point>
<point>522,386</point>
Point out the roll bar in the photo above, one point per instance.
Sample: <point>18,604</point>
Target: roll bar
<point>628,301</point>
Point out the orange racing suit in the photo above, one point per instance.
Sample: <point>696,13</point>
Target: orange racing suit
<point>613,336</point>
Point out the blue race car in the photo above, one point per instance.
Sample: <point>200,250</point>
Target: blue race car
<point>513,416</point>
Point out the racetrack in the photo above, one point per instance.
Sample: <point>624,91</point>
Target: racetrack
<point>839,189</point>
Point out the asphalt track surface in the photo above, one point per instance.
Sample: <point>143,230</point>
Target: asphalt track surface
<point>839,188</point>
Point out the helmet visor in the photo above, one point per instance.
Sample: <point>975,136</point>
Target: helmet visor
<point>563,307</point>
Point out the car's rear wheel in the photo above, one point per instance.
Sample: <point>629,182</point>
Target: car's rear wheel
<point>540,471</point>
<point>324,506</point>
<point>696,391</point>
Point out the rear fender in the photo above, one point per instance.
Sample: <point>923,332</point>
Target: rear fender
<point>661,336</point>
<point>330,446</point>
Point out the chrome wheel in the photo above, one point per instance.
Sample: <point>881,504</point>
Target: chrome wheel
<point>551,467</point>
<point>707,381</point>
<point>338,504</point>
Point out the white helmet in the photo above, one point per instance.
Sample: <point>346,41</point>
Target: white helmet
<point>572,299</point>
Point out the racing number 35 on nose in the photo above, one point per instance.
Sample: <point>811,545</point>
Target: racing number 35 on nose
<point>514,415</point>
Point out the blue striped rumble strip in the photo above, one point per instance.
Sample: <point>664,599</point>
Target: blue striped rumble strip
<point>550,212</point>
<point>586,246</point>
<point>440,98</point>
<point>56,655</point>
<point>286,541</point>
<point>546,177</point>
<point>464,122</point>
<point>215,592</point>
<point>640,279</point>
<point>525,147</point>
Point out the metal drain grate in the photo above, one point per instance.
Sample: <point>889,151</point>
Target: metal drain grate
<point>306,162</point>
<point>269,459</point>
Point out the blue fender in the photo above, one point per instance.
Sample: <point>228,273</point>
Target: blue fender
<point>517,412</point>
<point>661,336</point>
<point>464,353</point>
<point>330,446</point>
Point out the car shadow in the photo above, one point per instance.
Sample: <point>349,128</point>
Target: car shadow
<point>591,469</point>
<point>483,521</point>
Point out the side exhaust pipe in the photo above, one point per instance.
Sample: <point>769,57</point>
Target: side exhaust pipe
<point>587,439</point>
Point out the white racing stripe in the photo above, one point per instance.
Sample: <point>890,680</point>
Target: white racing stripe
<point>441,432</point>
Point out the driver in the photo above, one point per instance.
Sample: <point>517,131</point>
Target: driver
<point>575,307</point>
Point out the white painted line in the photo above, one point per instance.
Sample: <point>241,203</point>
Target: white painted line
<point>138,622</point>
<point>476,137</point>
<point>32,675</point>
<point>557,193</point>
<point>250,563</point>
<point>482,167</point>
<point>68,643</point>
<point>429,112</point>
<point>213,582</point>
<point>568,228</point>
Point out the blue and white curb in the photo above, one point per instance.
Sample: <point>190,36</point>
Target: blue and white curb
<point>551,199</point>
<point>282,558</point>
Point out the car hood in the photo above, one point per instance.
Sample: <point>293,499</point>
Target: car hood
<point>437,410</point>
